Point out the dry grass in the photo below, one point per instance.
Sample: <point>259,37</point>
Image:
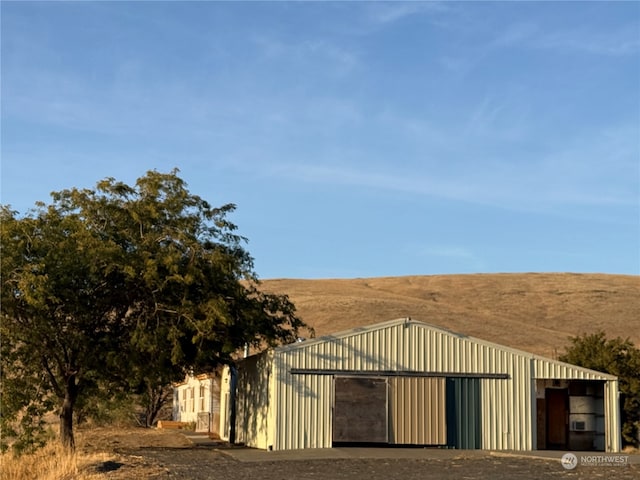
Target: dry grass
<point>51,463</point>
<point>101,453</point>
<point>535,312</point>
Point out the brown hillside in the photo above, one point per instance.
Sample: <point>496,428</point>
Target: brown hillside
<point>536,312</point>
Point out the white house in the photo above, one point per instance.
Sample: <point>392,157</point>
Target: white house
<point>197,400</point>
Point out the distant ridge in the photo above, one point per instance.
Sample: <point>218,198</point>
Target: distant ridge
<point>536,312</point>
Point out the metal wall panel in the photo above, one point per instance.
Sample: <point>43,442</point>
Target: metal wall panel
<point>407,346</point>
<point>225,398</point>
<point>417,411</point>
<point>301,409</point>
<point>613,430</point>
<point>252,401</point>
<point>301,405</point>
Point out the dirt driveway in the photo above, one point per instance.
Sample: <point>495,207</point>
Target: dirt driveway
<point>172,455</point>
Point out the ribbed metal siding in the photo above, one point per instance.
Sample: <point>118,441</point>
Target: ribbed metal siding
<point>225,393</point>
<point>303,415</point>
<point>417,411</point>
<point>252,400</point>
<point>303,407</point>
<point>613,439</point>
<point>507,412</point>
<point>557,370</point>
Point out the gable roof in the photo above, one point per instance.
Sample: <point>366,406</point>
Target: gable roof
<point>408,321</point>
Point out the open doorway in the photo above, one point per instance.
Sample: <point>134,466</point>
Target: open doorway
<point>570,415</point>
<point>557,422</point>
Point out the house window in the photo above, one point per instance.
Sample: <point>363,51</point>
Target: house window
<point>184,400</point>
<point>192,399</point>
<point>202,389</point>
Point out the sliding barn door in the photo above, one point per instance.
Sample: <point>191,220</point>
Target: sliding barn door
<point>418,411</point>
<point>360,410</point>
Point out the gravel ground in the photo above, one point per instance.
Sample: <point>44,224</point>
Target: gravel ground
<point>206,463</point>
<point>168,455</point>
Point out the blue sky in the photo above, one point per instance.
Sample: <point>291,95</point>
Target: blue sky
<point>357,139</point>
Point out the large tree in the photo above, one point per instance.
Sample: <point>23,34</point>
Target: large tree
<point>126,287</point>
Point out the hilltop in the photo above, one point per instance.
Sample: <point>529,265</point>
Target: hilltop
<point>536,312</point>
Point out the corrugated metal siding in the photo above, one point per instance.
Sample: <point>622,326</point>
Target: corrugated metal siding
<point>252,400</point>
<point>302,410</point>
<point>545,368</point>
<point>506,404</point>
<point>613,435</point>
<point>417,411</point>
<point>507,407</point>
<point>225,393</point>
<point>302,403</point>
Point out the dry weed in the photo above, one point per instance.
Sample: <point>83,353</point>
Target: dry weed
<point>52,462</point>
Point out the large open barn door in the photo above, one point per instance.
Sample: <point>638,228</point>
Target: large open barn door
<point>360,410</point>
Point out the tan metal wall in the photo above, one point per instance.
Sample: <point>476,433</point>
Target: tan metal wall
<point>612,422</point>
<point>253,401</point>
<point>301,409</point>
<point>225,391</point>
<point>407,346</point>
<point>417,411</point>
<point>300,404</point>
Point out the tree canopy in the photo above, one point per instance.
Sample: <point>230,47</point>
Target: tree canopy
<point>127,286</point>
<point>618,357</point>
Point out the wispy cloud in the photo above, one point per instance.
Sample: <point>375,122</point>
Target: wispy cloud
<point>325,57</point>
<point>620,42</point>
<point>592,169</point>
<point>515,34</point>
<point>532,35</point>
<point>523,189</point>
<point>580,39</point>
<point>497,118</point>
<point>310,134</point>
<point>383,13</point>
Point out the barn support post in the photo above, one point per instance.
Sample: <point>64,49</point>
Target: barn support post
<point>232,401</point>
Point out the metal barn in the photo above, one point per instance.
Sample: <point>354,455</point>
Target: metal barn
<point>405,382</point>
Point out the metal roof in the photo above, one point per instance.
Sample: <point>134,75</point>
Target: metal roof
<point>410,321</point>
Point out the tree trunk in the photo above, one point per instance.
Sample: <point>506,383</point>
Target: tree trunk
<point>66,413</point>
<point>156,399</point>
